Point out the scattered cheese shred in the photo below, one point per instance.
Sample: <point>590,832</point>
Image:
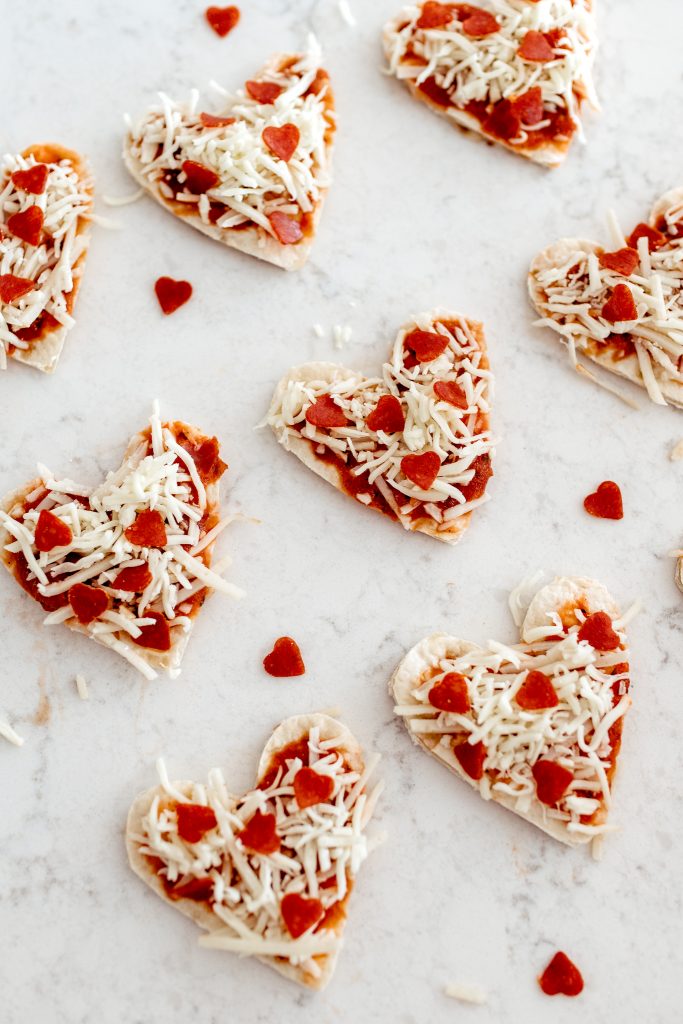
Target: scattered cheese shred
<point>465,993</point>
<point>82,687</point>
<point>10,734</point>
<point>676,453</point>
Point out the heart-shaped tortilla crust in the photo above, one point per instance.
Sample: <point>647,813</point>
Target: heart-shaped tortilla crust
<point>44,238</point>
<point>252,175</point>
<point>128,563</point>
<point>537,727</point>
<point>582,289</point>
<point>414,442</point>
<point>517,74</point>
<point>267,874</point>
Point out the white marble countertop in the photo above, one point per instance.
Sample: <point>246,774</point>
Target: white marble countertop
<point>419,215</point>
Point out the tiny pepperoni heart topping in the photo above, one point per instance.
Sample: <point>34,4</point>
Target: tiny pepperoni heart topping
<point>535,47</point>
<point>148,530</point>
<point>282,141</point>
<point>471,758</point>
<point>387,415</point>
<point>286,229</point>
<point>263,92</point>
<point>422,469</point>
<point>215,121</point>
<point>449,391</point>
<point>134,579</point>
<point>259,835</point>
<point>435,15</point>
<point>620,307</point>
<point>172,294</point>
<point>300,913</point>
<point>451,694</point>
<point>33,179</point>
<point>198,178</point>
<point>285,659</point>
<point>622,261</point>
<point>536,692</point>
<point>561,977</point>
<point>194,820</point>
<point>157,635</point>
<point>426,345</point>
<point>312,787</point>
<point>51,532</point>
<point>655,239</point>
<point>206,457</point>
<point>13,287</point>
<point>28,225</point>
<point>200,889</point>
<point>326,413</point>
<point>479,24</point>
<point>222,19</point>
<point>597,631</point>
<point>552,781</point>
<point>87,603</point>
<point>606,502</point>
<point>482,474</point>
<point>529,106</point>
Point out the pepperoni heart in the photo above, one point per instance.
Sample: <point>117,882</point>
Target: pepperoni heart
<point>561,977</point>
<point>259,835</point>
<point>300,913</point>
<point>33,179</point>
<point>326,413</point>
<point>422,469</point>
<point>285,659</point>
<point>535,47</point>
<point>620,307</point>
<point>479,24</point>
<point>435,15</point>
<point>312,787</point>
<point>449,391</point>
<point>529,106</point>
<point>156,636</point>
<point>214,121</point>
<point>287,230</point>
<point>426,345</point>
<point>148,530</point>
<point>623,261</point>
<point>517,720</point>
<point>606,502</point>
<point>222,19</point>
<point>27,225</point>
<point>263,92</point>
<point>482,474</point>
<point>656,239</point>
<point>134,579</point>
<point>87,603</point>
<point>172,294</point>
<point>194,821</point>
<point>13,287</point>
<point>282,142</point>
<point>198,179</point>
<point>387,415</point>
<point>51,532</point>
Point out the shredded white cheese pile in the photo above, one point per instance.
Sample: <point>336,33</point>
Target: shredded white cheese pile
<point>322,849</point>
<point>489,69</point>
<point>253,181</point>
<point>159,476</point>
<point>575,733</point>
<point>573,293</point>
<point>64,203</point>
<point>430,423</point>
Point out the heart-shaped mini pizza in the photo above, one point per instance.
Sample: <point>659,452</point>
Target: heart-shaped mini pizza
<point>128,562</point>
<point>536,726</point>
<point>414,442</point>
<point>252,174</point>
<point>268,874</point>
<point>45,207</point>
<point>515,71</point>
<point>621,307</point>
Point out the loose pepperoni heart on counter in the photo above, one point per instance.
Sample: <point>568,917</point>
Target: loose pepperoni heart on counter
<point>172,294</point>
<point>387,415</point>
<point>194,821</point>
<point>312,787</point>
<point>300,913</point>
<point>13,287</point>
<point>33,179</point>
<point>148,530</point>
<point>606,502</point>
<point>422,469</point>
<point>27,225</point>
<point>222,19</point>
<point>561,977</point>
<point>87,603</point>
<point>326,413</point>
<point>157,635</point>
<point>282,142</point>
<point>285,659</point>
<point>263,92</point>
<point>287,230</point>
<point>260,834</point>
<point>51,532</point>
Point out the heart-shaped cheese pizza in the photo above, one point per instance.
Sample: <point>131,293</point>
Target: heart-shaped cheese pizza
<point>515,71</point>
<point>128,562</point>
<point>267,874</point>
<point>536,726</point>
<point>414,442</point>
<point>45,207</point>
<point>621,307</point>
<point>253,174</point>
